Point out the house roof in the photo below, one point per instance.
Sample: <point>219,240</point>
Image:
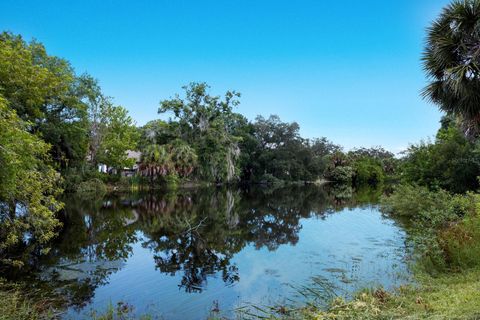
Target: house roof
<point>132,154</point>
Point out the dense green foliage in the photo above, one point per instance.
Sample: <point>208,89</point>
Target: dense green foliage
<point>461,243</point>
<point>42,89</point>
<point>54,123</point>
<point>225,147</point>
<point>444,231</point>
<point>451,162</point>
<point>28,189</point>
<point>362,166</point>
<point>207,123</point>
<point>368,171</point>
<point>445,226</point>
<point>119,135</point>
<point>282,153</point>
<point>432,209</point>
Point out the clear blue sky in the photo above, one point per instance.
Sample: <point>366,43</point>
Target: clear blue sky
<point>348,70</point>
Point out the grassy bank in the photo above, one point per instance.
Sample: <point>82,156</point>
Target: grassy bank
<point>447,296</point>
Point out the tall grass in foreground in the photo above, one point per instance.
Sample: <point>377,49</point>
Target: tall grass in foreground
<point>15,304</point>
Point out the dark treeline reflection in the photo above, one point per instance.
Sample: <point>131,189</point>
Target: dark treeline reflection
<point>192,234</point>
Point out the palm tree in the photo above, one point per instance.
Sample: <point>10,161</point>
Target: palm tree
<point>452,62</point>
<point>162,160</point>
<point>156,161</point>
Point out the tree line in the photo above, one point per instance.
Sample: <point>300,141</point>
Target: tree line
<point>204,139</point>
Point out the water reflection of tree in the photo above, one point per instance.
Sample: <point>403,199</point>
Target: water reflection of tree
<point>343,196</point>
<point>271,219</point>
<point>191,233</point>
<point>196,240</point>
<point>95,242</point>
<point>197,233</point>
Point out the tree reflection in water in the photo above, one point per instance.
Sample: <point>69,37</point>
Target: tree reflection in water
<point>191,233</point>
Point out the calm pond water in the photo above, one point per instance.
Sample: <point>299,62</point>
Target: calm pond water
<point>181,255</point>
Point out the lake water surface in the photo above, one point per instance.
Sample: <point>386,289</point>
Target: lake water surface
<point>187,254</point>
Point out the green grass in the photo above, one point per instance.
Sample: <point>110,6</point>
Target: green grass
<point>122,311</point>
<point>449,296</point>
<point>16,305</point>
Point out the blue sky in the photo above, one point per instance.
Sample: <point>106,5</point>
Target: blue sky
<point>348,70</point>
